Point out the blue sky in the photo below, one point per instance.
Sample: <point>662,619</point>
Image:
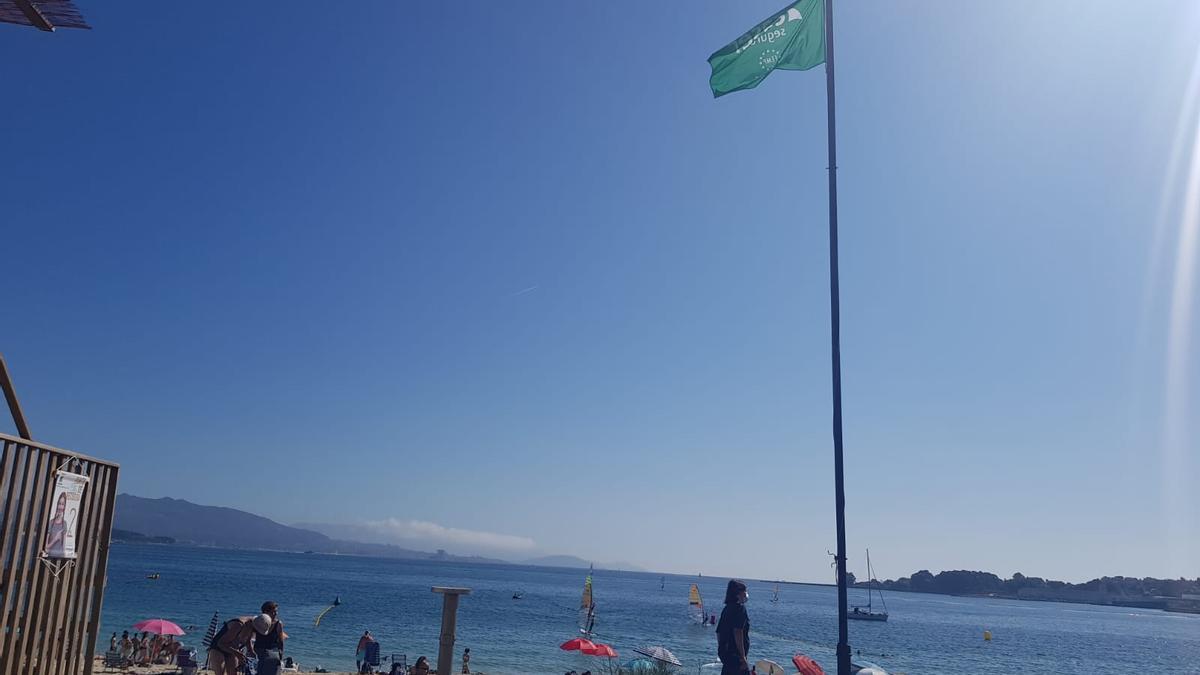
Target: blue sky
<point>507,268</point>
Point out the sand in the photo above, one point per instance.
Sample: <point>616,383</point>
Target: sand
<point>156,670</point>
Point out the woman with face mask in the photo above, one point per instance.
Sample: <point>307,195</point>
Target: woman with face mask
<point>733,631</point>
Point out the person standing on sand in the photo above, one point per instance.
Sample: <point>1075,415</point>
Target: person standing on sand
<point>112,643</point>
<point>169,650</point>
<point>269,647</point>
<point>225,656</point>
<point>466,661</point>
<point>143,650</point>
<point>733,631</point>
<point>360,652</point>
<point>126,646</point>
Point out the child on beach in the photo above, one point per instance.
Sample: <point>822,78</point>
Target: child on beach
<point>466,661</point>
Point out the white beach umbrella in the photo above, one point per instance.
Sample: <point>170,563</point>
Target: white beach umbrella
<point>765,667</point>
<point>660,654</point>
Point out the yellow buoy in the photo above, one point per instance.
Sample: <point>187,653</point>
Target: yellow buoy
<point>987,636</point>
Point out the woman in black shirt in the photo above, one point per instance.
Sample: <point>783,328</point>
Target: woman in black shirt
<point>269,647</point>
<point>733,631</point>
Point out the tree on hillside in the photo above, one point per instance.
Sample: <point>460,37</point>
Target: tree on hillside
<point>923,582</point>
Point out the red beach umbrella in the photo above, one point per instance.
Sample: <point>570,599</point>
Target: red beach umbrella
<point>158,627</point>
<point>601,650</point>
<point>577,644</point>
<point>806,666</point>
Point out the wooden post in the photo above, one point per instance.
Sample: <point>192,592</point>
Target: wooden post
<point>14,406</point>
<point>445,662</point>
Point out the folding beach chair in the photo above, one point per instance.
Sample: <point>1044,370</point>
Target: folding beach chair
<point>114,660</point>
<point>186,660</point>
<point>399,664</point>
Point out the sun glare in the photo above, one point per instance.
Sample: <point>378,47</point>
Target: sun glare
<point>1185,156</point>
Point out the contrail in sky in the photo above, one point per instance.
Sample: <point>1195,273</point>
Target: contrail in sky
<point>524,291</point>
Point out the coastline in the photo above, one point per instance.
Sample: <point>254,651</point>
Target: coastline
<point>1164,604</point>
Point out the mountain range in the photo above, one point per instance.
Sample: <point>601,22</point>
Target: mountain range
<point>223,527</point>
<point>167,519</point>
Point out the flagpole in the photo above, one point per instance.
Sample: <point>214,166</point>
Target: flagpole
<point>843,648</point>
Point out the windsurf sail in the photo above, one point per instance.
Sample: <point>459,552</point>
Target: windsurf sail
<point>587,606</point>
<point>695,604</point>
<point>775,598</point>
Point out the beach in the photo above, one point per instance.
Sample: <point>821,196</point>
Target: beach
<point>163,670</point>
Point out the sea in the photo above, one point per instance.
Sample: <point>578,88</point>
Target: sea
<point>393,599</point>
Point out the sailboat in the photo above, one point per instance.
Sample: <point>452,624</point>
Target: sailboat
<point>696,605</point>
<point>587,606</point>
<point>859,613</point>
<point>775,597</point>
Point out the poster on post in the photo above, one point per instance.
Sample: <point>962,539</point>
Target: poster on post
<point>64,516</point>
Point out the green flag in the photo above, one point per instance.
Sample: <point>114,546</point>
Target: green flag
<point>792,39</point>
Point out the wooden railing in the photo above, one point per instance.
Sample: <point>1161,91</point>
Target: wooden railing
<point>48,621</point>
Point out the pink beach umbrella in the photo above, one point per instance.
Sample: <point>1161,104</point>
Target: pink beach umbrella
<point>158,627</point>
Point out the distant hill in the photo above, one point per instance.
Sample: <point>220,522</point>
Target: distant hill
<point>577,562</point>
<point>965,582</point>
<point>224,527</point>
<point>1176,595</point>
<point>211,525</point>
